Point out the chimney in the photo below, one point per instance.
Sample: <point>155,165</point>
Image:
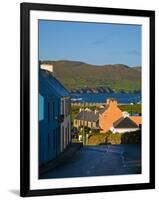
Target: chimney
<point>47,67</point>
<point>95,112</point>
<point>81,109</point>
<point>125,114</point>
<point>111,102</point>
<point>87,109</point>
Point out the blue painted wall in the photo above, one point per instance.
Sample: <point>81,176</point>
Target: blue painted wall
<point>49,128</point>
<point>50,93</point>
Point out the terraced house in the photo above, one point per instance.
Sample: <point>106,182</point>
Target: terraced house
<point>112,118</point>
<point>108,118</point>
<point>54,116</point>
<point>87,118</point>
<point>109,115</point>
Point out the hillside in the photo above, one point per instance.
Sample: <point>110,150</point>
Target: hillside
<point>76,75</point>
<point>138,68</point>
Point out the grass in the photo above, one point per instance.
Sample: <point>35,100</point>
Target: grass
<point>136,108</point>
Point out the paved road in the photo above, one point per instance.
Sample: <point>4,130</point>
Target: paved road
<point>100,161</point>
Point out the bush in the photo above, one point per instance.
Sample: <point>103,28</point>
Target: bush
<point>118,138</point>
<point>131,138</point>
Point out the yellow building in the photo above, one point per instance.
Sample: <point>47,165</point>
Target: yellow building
<point>87,118</point>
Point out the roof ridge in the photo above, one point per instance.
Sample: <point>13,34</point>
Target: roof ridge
<point>130,123</point>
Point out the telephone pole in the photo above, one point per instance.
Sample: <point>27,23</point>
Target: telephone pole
<point>84,136</point>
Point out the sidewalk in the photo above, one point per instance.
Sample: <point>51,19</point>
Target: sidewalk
<point>63,157</point>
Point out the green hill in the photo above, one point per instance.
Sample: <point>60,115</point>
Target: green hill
<point>77,75</point>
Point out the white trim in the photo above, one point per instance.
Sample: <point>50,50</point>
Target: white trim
<point>86,181</point>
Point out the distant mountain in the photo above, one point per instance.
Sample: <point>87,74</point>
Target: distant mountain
<point>138,68</point>
<point>75,75</point>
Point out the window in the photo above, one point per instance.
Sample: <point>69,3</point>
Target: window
<point>68,129</point>
<point>69,106</point>
<point>63,135</point>
<point>62,105</point>
<point>48,111</point>
<point>53,110</point>
<point>66,134</point>
<point>91,124</point>
<point>59,132</point>
<point>58,108</point>
<point>54,138</point>
<point>66,107</point>
<point>48,145</point>
<point>41,107</point>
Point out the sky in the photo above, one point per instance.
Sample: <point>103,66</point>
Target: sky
<point>93,43</point>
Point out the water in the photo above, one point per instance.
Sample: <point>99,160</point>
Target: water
<point>101,97</point>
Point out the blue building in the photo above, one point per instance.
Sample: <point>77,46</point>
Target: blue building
<point>51,95</point>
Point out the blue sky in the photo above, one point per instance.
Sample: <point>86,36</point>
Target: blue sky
<point>93,43</point>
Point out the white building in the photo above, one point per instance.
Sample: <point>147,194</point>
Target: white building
<point>65,124</point>
<point>47,67</point>
<point>123,125</point>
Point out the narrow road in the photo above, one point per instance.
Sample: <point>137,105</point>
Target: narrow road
<point>100,161</point>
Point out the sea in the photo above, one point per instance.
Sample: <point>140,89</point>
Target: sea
<point>122,98</point>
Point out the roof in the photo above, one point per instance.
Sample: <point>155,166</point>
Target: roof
<point>124,123</point>
<point>90,116</point>
<point>104,109</point>
<point>50,86</point>
<point>136,119</point>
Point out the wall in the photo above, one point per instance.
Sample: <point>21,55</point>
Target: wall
<point>47,67</point>
<point>123,130</point>
<point>9,102</point>
<point>108,117</point>
<point>65,125</point>
<point>49,129</point>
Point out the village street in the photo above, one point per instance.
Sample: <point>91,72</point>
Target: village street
<point>99,161</point>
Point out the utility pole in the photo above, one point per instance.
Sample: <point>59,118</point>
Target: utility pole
<point>84,137</point>
<point>131,107</point>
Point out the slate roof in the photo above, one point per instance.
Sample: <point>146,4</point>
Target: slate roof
<point>124,123</point>
<point>103,109</point>
<point>89,116</point>
<point>50,86</point>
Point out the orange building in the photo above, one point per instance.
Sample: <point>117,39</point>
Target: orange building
<point>108,115</point>
<point>137,120</point>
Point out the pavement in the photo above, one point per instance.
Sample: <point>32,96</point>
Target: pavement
<point>99,161</point>
<point>66,155</point>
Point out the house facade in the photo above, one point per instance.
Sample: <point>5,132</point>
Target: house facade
<point>65,122</point>
<point>124,125</point>
<point>87,117</point>
<point>137,120</point>
<point>52,140</point>
<point>108,118</point>
<point>108,115</point>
